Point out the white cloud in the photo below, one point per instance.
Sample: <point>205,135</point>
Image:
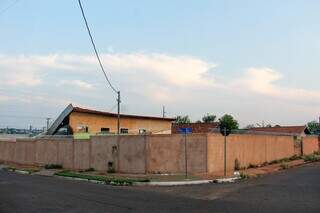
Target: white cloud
<point>153,75</point>
<point>76,83</point>
<point>264,81</point>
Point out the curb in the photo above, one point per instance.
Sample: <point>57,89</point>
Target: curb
<point>22,172</point>
<point>81,179</point>
<point>173,183</point>
<point>227,180</point>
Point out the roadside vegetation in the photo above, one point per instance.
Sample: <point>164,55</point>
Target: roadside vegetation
<point>118,181</point>
<point>53,166</point>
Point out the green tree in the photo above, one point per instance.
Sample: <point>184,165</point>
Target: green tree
<point>314,127</point>
<point>229,122</point>
<point>209,118</point>
<point>182,119</point>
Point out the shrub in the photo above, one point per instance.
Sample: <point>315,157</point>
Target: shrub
<point>311,158</point>
<point>244,176</point>
<point>294,157</point>
<point>53,166</point>
<point>284,166</point>
<point>89,170</point>
<point>252,166</point>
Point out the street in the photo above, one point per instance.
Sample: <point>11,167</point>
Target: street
<point>293,190</point>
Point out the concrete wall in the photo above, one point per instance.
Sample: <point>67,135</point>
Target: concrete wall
<point>132,157</point>
<point>155,153</point>
<point>166,153</point>
<point>247,149</point>
<point>310,144</point>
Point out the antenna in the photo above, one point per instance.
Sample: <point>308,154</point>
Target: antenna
<point>163,111</point>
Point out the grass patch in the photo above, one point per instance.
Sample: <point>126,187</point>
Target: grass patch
<point>119,181</point>
<point>311,158</point>
<point>53,166</point>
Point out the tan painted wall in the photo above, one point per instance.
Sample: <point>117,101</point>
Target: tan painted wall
<point>154,153</point>
<point>132,154</point>
<point>101,152</point>
<point>248,149</point>
<point>310,145</point>
<point>166,153</point>
<point>96,122</point>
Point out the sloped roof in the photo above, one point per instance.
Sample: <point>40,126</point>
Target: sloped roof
<point>90,111</point>
<point>295,130</point>
<point>196,127</point>
<point>69,109</point>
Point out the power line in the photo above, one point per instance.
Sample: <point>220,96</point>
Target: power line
<point>94,47</point>
<point>102,68</point>
<point>8,7</point>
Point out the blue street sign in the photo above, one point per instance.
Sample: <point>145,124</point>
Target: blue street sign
<point>185,130</point>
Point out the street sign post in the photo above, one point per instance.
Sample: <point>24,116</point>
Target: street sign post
<point>225,132</point>
<point>185,131</point>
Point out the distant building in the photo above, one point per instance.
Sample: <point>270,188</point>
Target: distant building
<point>288,130</point>
<point>79,120</point>
<point>196,127</point>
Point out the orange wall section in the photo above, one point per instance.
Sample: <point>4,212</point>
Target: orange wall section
<point>96,122</point>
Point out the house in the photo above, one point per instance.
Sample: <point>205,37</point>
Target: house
<point>287,130</point>
<point>80,120</point>
<point>196,127</point>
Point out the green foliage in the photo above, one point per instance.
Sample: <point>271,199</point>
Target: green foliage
<point>311,158</point>
<point>53,166</point>
<point>108,180</point>
<point>314,127</point>
<point>294,157</point>
<point>244,176</point>
<point>229,122</point>
<point>209,118</point>
<point>284,166</point>
<point>182,119</point>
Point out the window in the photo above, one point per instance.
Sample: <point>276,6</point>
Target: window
<point>105,130</point>
<point>82,128</point>
<point>124,131</point>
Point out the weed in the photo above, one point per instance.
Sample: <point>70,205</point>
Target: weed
<point>109,180</point>
<point>252,166</point>
<point>284,166</point>
<point>294,157</point>
<point>53,166</point>
<point>89,170</point>
<point>311,158</point>
<point>316,152</point>
<point>244,176</point>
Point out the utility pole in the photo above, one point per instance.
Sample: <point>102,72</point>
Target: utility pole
<point>163,111</point>
<point>118,101</point>
<point>48,122</point>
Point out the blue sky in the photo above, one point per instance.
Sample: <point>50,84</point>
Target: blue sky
<point>257,60</point>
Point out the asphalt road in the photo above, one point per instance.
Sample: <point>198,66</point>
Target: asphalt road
<point>294,190</point>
